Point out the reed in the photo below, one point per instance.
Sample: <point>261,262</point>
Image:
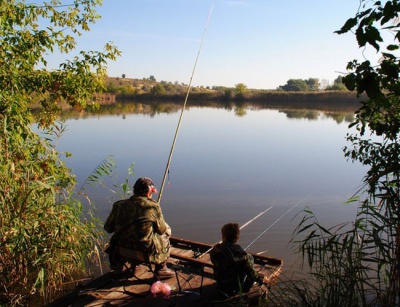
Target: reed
<point>353,264</point>
<point>48,241</point>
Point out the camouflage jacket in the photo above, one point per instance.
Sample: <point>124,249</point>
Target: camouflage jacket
<point>136,222</point>
<point>232,264</point>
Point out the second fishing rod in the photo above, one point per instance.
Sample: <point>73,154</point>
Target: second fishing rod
<point>276,221</point>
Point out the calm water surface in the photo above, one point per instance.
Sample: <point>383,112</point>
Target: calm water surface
<point>225,168</point>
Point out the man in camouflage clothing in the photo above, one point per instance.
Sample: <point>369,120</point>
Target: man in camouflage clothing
<point>233,266</point>
<point>138,224</point>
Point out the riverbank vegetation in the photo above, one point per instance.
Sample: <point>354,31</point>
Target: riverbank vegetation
<point>357,264</point>
<point>296,90</point>
<point>45,241</point>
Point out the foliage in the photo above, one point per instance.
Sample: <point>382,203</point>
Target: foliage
<point>44,242</point>
<point>44,239</point>
<point>158,90</point>
<point>240,90</point>
<point>105,170</point>
<point>313,84</point>
<point>131,88</point>
<point>299,85</point>
<point>295,85</point>
<point>338,85</point>
<point>358,265</point>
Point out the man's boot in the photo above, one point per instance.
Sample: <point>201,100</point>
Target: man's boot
<point>163,272</point>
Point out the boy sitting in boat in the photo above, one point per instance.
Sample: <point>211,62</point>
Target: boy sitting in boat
<point>138,224</point>
<point>233,266</point>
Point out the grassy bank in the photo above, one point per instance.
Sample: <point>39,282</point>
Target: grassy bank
<point>136,89</point>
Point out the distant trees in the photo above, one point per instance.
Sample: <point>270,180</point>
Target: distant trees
<point>240,90</point>
<point>171,88</point>
<point>158,90</point>
<point>312,84</point>
<point>228,93</point>
<point>337,85</point>
<point>295,85</point>
<point>126,87</point>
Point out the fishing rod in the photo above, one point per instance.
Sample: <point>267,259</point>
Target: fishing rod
<point>183,108</point>
<point>254,218</point>
<point>276,221</point>
<point>243,226</point>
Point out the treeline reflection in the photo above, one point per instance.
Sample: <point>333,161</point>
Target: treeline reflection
<point>340,112</point>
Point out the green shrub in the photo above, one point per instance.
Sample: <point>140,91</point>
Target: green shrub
<point>45,240</point>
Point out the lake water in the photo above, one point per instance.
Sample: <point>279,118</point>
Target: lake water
<point>229,164</point>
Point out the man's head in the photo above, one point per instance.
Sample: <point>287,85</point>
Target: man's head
<point>230,232</point>
<point>143,186</point>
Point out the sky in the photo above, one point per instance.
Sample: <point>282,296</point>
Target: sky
<point>260,43</point>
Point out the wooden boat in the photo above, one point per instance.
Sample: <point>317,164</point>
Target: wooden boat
<point>196,253</point>
<point>193,284</point>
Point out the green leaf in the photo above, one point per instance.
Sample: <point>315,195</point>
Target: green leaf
<point>350,23</point>
<point>392,47</point>
<point>372,36</point>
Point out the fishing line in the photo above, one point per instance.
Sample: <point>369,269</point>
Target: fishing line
<point>276,221</point>
<point>243,226</point>
<point>183,108</point>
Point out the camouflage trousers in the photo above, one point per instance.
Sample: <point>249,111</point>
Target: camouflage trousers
<point>163,247</point>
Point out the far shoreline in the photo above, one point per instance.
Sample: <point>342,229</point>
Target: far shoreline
<point>321,100</point>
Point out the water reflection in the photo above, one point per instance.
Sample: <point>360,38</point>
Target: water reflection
<point>314,115</point>
<point>339,112</point>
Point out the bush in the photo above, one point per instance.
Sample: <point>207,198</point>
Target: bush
<point>45,239</point>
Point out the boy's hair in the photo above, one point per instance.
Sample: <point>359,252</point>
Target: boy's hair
<point>230,232</point>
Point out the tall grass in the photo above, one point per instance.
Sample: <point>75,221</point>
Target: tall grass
<point>48,237</point>
<point>353,264</point>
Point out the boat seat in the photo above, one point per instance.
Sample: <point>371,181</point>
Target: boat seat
<point>131,259</point>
